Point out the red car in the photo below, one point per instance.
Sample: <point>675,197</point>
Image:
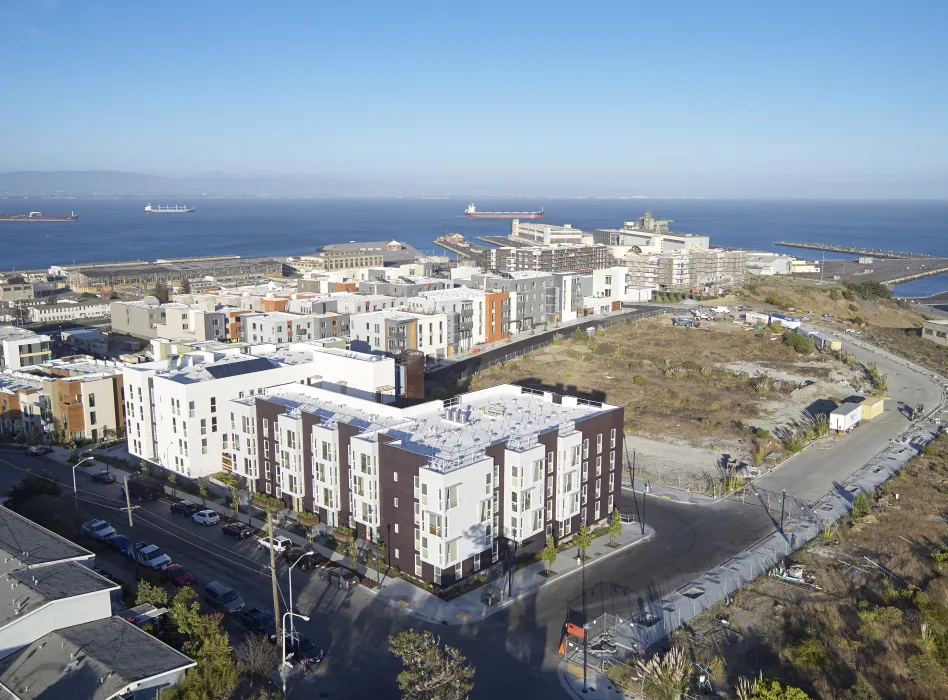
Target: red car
<point>178,575</point>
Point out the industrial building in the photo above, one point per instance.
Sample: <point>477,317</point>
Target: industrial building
<point>935,331</point>
<point>447,485</point>
<point>200,272</point>
<point>546,234</point>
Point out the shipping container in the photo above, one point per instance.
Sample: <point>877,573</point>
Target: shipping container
<point>872,407</point>
<point>826,342</point>
<point>845,417</point>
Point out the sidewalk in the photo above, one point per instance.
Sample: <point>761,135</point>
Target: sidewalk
<point>420,603</point>
<point>598,685</point>
<point>669,493</point>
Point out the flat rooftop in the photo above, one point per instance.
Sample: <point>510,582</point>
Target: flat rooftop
<point>95,660</point>
<point>198,266</point>
<point>454,293</point>
<point>14,333</point>
<point>449,436</point>
<point>31,545</point>
<point>13,383</point>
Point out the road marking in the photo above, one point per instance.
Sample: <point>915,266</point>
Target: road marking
<point>463,617</point>
<point>403,603</point>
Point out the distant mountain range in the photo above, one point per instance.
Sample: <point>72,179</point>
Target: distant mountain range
<point>87,183</point>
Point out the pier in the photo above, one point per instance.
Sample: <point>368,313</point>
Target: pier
<point>851,250</point>
<point>886,270</point>
<point>455,243</point>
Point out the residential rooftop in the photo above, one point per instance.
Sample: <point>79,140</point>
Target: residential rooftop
<point>451,433</point>
<point>31,545</point>
<point>95,660</point>
<point>454,293</point>
<point>24,591</point>
<point>17,381</point>
<point>14,333</point>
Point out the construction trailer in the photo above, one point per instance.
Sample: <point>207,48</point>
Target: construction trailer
<point>872,407</point>
<point>754,317</point>
<point>845,417</point>
<point>791,322</point>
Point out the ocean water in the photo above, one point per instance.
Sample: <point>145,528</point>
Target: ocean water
<point>118,229</point>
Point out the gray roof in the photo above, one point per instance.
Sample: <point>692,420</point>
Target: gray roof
<point>92,661</point>
<point>26,590</point>
<point>33,545</point>
<point>406,254</point>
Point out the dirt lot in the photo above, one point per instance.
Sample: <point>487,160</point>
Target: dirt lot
<point>700,387</point>
<point>880,612</point>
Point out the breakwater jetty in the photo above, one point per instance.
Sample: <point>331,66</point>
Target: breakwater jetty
<point>852,250</point>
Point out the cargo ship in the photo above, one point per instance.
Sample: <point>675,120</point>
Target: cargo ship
<point>38,216</point>
<point>472,213</point>
<point>149,209</point>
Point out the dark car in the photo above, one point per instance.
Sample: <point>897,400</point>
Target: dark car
<point>239,531</point>
<point>343,578</point>
<point>259,622</point>
<point>119,543</point>
<point>185,508</point>
<point>104,477</point>
<point>305,651</point>
<point>37,450</point>
<point>307,559</point>
<point>178,575</point>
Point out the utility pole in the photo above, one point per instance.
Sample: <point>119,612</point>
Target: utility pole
<point>131,525</point>
<point>783,505</point>
<point>273,576</point>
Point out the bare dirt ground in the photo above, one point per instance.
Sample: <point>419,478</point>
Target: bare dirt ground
<point>698,388</point>
<point>879,614</point>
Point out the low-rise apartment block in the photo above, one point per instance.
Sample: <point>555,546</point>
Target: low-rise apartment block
<point>402,286</point>
<point>51,310</point>
<point>394,331</point>
<point>22,404</point>
<point>476,316</point>
<point>533,296</point>
<point>551,258</point>
<point>546,234</point>
<point>448,486</point>
<point>20,348</point>
<point>280,327</point>
<point>149,318</point>
<point>176,409</point>
<point>86,397</point>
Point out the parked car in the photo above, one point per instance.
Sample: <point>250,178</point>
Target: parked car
<point>97,529</point>
<point>307,560</point>
<point>185,508</point>
<point>104,477</point>
<point>178,575</point>
<point>142,488</point>
<point>37,450</point>
<point>279,543</point>
<point>343,578</point>
<point>304,650</point>
<point>206,518</point>
<point>222,597</point>
<point>139,546</point>
<point>259,622</point>
<point>239,531</point>
<point>119,543</point>
<point>152,557</point>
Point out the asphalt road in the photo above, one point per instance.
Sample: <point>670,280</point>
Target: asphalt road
<point>882,269</point>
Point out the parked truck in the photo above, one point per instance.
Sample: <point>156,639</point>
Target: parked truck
<point>143,488</point>
<point>845,417</point>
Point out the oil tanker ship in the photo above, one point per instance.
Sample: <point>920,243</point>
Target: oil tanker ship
<point>38,217</point>
<point>472,213</point>
<point>149,209</point>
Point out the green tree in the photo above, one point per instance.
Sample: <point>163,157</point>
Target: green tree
<point>615,525</point>
<point>860,506</point>
<point>30,487</point>
<point>430,672</point>
<point>861,690</point>
<point>148,593</point>
<point>160,292</point>
<point>772,690</point>
<point>185,611</point>
<point>185,286</point>
<point>583,540</point>
<point>548,555</point>
<point>172,482</point>
<point>202,491</point>
<point>215,676</point>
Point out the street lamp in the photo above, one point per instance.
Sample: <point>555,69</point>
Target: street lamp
<point>283,658</point>
<point>75,491</point>
<point>290,574</point>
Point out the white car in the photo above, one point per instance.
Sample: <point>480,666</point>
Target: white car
<point>97,529</point>
<point>206,518</point>
<point>152,557</point>
<point>280,543</point>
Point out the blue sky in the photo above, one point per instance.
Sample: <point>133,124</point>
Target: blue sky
<point>673,98</point>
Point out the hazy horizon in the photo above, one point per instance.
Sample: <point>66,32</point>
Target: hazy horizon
<point>740,100</point>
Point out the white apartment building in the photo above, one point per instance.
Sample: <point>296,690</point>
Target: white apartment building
<point>395,330</point>
<point>49,310</point>
<point>546,234</point>
<point>349,303</point>
<point>447,485</point>
<point>22,348</point>
<point>176,409</point>
<point>280,327</point>
<point>466,308</point>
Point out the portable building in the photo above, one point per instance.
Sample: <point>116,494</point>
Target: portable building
<point>824,341</point>
<point>755,317</point>
<point>791,322</point>
<point>845,417</point>
<point>872,407</point>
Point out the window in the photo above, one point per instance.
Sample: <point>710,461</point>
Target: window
<point>599,443</point>
<point>92,417</point>
<point>612,481</point>
<point>549,463</point>
<point>424,494</point>
<point>612,439</point>
<point>396,553</point>
<point>190,409</point>
<point>610,504</point>
<point>586,448</point>
<point>598,489</point>
<point>204,426</point>
<point>214,424</point>
<point>452,551</point>
<point>91,400</point>
<point>451,500</point>
<point>396,528</point>
<point>266,428</point>
<point>213,404</point>
<point>396,502</point>
<point>598,465</point>
<point>394,476</point>
<point>538,470</point>
<point>203,446</point>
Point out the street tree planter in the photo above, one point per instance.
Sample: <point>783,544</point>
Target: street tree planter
<point>343,534</point>
<point>307,519</point>
<point>268,503</point>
